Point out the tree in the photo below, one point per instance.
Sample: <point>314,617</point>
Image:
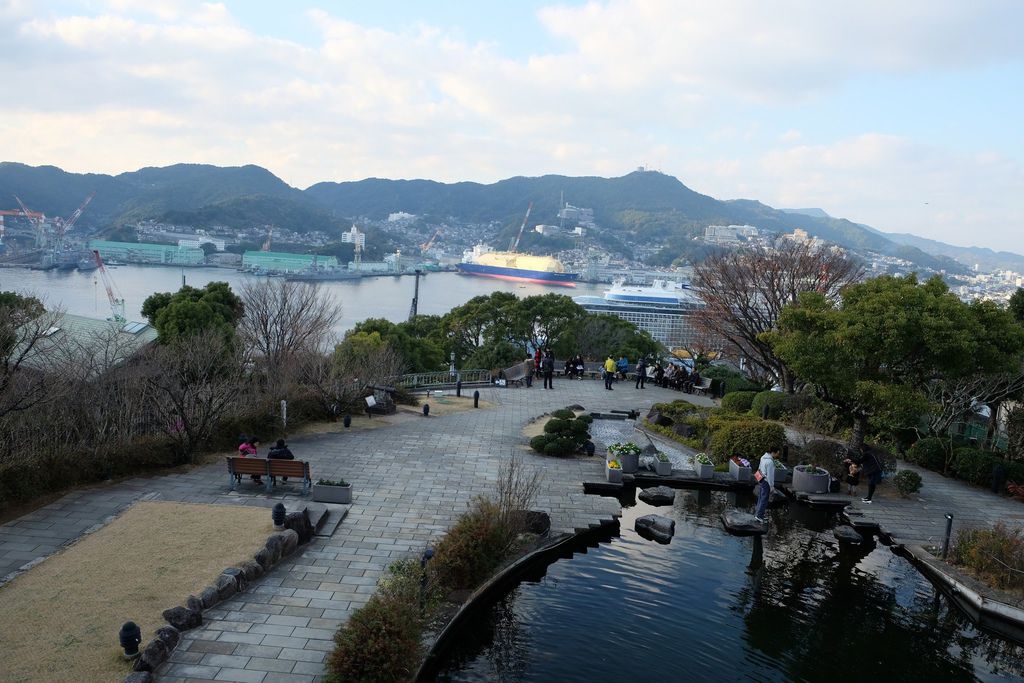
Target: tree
<point>744,292</point>
<point>1016,305</point>
<point>283,319</point>
<point>25,326</point>
<point>541,321</point>
<point>481,321</point>
<point>599,335</point>
<point>189,310</point>
<point>419,355</point>
<point>873,354</point>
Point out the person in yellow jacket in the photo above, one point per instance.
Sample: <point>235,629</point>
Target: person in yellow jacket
<point>609,373</point>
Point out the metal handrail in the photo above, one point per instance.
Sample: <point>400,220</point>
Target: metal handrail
<point>418,380</point>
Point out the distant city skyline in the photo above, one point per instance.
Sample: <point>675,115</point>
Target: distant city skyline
<point>904,116</point>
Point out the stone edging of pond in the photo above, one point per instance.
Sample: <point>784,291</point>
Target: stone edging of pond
<point>511,574</point>
<point>298,529</point>
<point>989,608</point>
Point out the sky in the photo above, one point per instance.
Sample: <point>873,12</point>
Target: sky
<point>903,115</point>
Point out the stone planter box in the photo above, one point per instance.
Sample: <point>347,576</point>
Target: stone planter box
<point>332,494</point>
<point>614,475</point>
<point>806,482</point>
<point>663,469</point>
<point>630,462</point>
<point>738,472</point>
<point>704,471</point>
<point>783,476</point>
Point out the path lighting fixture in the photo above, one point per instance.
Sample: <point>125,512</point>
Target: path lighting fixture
<point>949,530</point>
<point>458,388</point>
<point>347,421</point>
<point>428,554</point>
<point>476,399</point>
<point>426,410</point>
<point>130,636</point>
<point>278,514</point>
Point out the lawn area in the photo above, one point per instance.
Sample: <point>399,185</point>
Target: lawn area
<point>61,618</point>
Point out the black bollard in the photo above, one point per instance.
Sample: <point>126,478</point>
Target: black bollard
<point>458,388</point>
<point>277,513</point>
<point>949,531</point>
<point>998,478</point>
<point>130,636</point>
<point>426,410</point>
<point>476,399</point>
<point>589,448</point>
<point>347,421</point>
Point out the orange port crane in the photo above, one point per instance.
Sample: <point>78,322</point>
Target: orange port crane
<point>65,224</point>
<point>429,243</point>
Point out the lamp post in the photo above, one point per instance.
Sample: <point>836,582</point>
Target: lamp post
<point>278,513</point>
<point>130,636</point>
<point>451,367</point>
<point>427,555</point>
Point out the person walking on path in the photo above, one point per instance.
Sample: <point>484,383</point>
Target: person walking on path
<point>547,366</point>
<point>609,373</point>
<point>765,482</point>
<point>872,467</point>
<point>641,373</point>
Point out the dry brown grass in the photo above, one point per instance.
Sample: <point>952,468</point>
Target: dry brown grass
<point>60,619</point>
<point>445,404</point>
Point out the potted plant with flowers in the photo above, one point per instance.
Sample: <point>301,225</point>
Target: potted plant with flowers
<point>703,465</point>
<point>739,468</point>
<point>328,491</point>
<point>613,470</point>
<point>662,465</point>
<point>810,479</point>
<point>628,455</point>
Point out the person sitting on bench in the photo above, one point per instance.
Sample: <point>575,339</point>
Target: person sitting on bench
<point>280,451</point>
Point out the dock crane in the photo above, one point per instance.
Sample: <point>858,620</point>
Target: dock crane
<point>515,244</point>
<point>429,243</point>
<point>65,224</point>
<point>266,242</point>
<point>116,305</point>
<point>36,219</point>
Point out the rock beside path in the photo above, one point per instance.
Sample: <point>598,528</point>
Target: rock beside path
<point>656,527</point>
<point>847,534</point>
<point>741,523</point>
<point>658,495</point>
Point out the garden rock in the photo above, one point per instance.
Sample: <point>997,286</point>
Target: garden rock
<point>252,570</point>
<point>226,586</point>
<point>575,407</point>
<point>684,430</point>
<point>169,635</point>
<point>299,523</point>
<point>741,523</point>
<point>262,558</point>
<point>182,618</point>
<point>649,450</point>
<point>138,677</point>
<point>656,527</point>
<point>209,597</point>
<point>194,603</point>
<point>536,521</point>
<point>152,657</point>
<point>659,495</point>
<point>274,548</point>
<point>290,540</point>
<point>847,534</point>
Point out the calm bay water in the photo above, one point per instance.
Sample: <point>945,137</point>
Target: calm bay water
<point>713,607</point>
<point>377,297</point>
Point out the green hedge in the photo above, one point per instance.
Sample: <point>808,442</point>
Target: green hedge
<point>929,453</point>
<point>732,381</point>
<point>746,438</point>
<point>563,437</point>
<point>779,404</point>
<point>738,401</point>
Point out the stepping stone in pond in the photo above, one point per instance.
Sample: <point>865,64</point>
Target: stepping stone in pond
<point>847,534</point>
<point>655,528</point>
<point>659,495</point>
<point>741,523</point>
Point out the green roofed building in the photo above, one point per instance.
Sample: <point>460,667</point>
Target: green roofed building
<point>140,252</point>
<point>286,262</point>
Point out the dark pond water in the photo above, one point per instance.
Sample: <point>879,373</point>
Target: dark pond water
<point>713,607</point>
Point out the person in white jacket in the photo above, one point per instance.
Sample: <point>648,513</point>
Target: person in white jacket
<point>766,483</point>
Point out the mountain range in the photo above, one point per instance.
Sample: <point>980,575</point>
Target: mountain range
<point>643,205</point>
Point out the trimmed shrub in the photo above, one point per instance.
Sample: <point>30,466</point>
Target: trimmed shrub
<point>732,381</point>
<point>556,425</point>
<point>746,438</point>
<point>929,453</point>
<point>738,401</point>
<point>538,442</point>
<point>907,482</point>
<point>778,404</point>
<point>563,414</point>
<point>562,437</point>
<point>974,465</point>
<point>823,453</point>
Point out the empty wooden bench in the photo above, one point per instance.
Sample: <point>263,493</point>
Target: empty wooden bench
<point>703,387</point>
<point>271,468</point>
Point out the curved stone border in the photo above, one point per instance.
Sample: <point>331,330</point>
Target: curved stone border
<point>989,608</point>
<point>298,529</point>
<point>500,582</point>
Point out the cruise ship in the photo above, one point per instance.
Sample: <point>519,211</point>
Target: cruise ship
<point>664,309</point>
<point>511,265</point>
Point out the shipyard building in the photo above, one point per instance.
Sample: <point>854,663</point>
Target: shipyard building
<point>141,252</point>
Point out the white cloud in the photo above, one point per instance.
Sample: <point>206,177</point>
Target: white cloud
<point>137,83</point>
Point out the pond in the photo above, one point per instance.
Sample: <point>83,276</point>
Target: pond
<point>713,607</point>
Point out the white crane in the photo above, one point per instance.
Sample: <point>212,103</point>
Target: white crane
<point>116,304</point>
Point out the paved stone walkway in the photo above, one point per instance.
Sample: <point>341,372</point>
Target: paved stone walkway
<point>411,480</point>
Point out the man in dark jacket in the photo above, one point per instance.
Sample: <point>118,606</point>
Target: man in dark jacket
<point>547,366</point>
<point>871,466</point>
<point>280,451</point>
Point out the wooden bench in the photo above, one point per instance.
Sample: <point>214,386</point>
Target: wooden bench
<point>703,387</point>
<point>269,468</point>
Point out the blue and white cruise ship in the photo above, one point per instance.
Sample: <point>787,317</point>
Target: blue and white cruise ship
<point>664,308</point>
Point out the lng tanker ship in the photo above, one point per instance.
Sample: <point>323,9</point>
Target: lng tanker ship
<point>511,265</point>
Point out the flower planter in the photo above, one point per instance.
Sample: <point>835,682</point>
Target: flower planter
<point>663,469</point>
<point>630,462</point>
<point>323,493</point>
<point>614,475</point>
<point>704,471</point>
<point>783,476</point>
<point>808,479</point>
<point>739,472</point>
